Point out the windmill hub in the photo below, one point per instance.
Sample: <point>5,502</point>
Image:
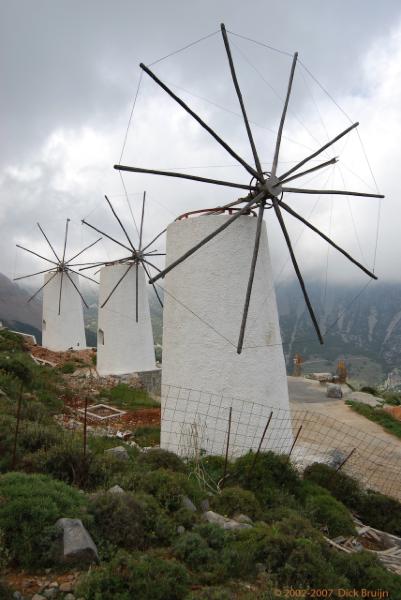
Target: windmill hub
<point>272,185</point>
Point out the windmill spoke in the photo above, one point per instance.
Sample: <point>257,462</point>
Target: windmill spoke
<point>41,288</point>
<point>84,276</point>
<point>142,215</point>
<point>47,240</point>
<point>76,287</point>
<point>153,285</point>
<point>336,192</point>
<point>33,274</point>
<point>61,289</point>
<point>151,265</point>
<point>207,238</point>
<point>282,120</point>
<point>302,173</point>
<point>308,158</point>
<point>296,268</point>
<point>120,223</point>
<point>82,251</point>
<point>65,240</point>
<point>154,239</point>
<point>93,265</point>
<point>327,239</point>
<point>106,235</point>
<point>240,99</point>
<point>183,176</point>
<point>116,286</point>
<point>251,277</point>
<point>136,290</point>
<point>36,254</point>
<point>156,254</point>
<point>250,169</point>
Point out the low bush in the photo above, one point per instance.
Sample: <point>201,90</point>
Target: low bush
<point>16,368</point>
<point>211,593</point>
<point>215,537</point>
<point>193,549</point>
<point>381,512</point>
<point>272,473</point>
<point>234,500</point>
<point>10,342</point>
<point>378,415</point>
<point>141,576</point>
<point>128,398</point>
<point>68,368</point>
<point>148,435</point>
<point>158,458</point>
<point>213,467</point>
<point>363,571</point>
<point>340,485</point>
<point>169,487</point>
<point>326,512</point>
<point>4,552</point>
<point>29,504</point>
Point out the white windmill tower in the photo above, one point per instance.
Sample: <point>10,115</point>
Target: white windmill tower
<point>63,320</point>
<point>226,294</point>
<point>125,338</point>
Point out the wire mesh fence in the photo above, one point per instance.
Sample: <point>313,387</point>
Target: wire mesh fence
<point>195,423</point>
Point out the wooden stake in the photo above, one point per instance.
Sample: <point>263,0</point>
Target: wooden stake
<point>260,444</point>
<point>85,426</point>
<point>346,460</point>
<point>294,442</point>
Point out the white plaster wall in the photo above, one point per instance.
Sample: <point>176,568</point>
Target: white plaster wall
<point>128,345</point>
<point>203,306</point>
<point>65,330</point>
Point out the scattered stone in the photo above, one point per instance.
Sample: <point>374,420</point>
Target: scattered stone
<point>224,522</point>
<point>242,518</point>
<point>118,452</point>
<point>38,597</point>
<point>334,390</point>
<point>364,398</point>
<point>321,377</point>
<point>180,529</point>
<point>78,545</point>
<point>205,505</point>
<point>3,394</point>
<point>17,595</point>
<point>53,584</point>
<point>116,489</point>
<point>188,504</point>
<point>69,597</point>
<point>51,593</point>
<point>67,586</point>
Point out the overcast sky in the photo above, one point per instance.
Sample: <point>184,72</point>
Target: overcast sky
<point>69,75</point>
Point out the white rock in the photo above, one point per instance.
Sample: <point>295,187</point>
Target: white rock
<point>116,489</point>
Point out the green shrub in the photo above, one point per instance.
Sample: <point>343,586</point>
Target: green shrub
<point>119,519</point>
<point>148,435</point>
<point>377,415</point>
<point>68,367</point>
<point>35,436</point>
<point>168,488</point>
<point>158,458</point>
<point>272,473</point>
<point>234,500</point>
<point>326,512</point>
<point>5,592</point>
<point>381,512</point>
<point>370,390</point>
<point>10,341</point>
<point>215,537</point>
<point>192,549</point>
<point>4,552</point>
<point>67,463</point>
<point>392,398</point>
<point>186,518</point>
<point>364,571</point>
<point>213,466</point>
<point>16,368</point>
<point>143,577</point>
<point>211,593</point>
<point>340,485</point>
<point>29,503</point>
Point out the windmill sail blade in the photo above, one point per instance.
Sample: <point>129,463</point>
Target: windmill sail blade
<point>65,239</point>
<point>120,223</point>
<point>82,251</point>
<point>154,239</point>
<point>36,254</point>
<point>61,289</point>
<point>136,291</point>
<point>302,173</point>
<point>282,120</point>
<point>41,288</point>
<point>33,274</point>
<point>47,240</point>
<point>77,289</point>
<point>250,169</point>
<point>207,238</point>
<point>142,215</point>
<point>84,276</point>
<point>251,277</point>
<point>183,176</point>
<point>296,268</point>
<point>308,158</point>
<point>106,235</point>
<point>151,265</point>
<point>336,192</point>
<point>327,239</point>
<point>116,286</point>
<point>153,285</point>
<point>240,99</point>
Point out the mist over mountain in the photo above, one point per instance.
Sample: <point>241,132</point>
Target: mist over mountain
<point>359,324</point>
